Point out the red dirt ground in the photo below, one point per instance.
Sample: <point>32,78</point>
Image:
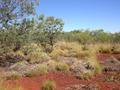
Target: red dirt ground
<point>65,80</point>
<point>62,81</point>
<point>104,56</point>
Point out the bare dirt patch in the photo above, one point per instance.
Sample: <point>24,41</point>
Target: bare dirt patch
<point>63,81</point>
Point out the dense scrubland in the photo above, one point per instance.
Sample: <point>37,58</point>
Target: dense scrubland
<point>38,46</point>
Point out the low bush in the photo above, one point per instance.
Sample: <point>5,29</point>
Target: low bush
<point>35,54</point>
<point>5,49</point>
<point>69,49</point>
<point>49,85</point>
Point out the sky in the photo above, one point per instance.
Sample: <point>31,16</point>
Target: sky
<point>84,14</point>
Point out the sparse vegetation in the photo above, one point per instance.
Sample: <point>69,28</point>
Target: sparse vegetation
<point>49,85</point>
<point>4,88</point>
<point>38,70</point>
<point>12,75</point>
<point>108,48</point>
<point>33,44</point>
<point>66,49</point>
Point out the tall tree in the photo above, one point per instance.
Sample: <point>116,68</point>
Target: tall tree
<point>48,30</point>
<point>12,10</point>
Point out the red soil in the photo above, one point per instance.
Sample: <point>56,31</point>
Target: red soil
<point>105,56</point>
<point>62,81</point>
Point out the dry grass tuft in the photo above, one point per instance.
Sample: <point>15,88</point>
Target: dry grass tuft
<point>49,85</point>
<point>38,70</point>
<point>68,49</point>
<point>35,53</point>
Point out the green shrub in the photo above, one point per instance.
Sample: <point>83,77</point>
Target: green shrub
<point>5,49</point>
<point>49,85</point>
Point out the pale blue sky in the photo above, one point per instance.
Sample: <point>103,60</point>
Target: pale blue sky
<point>86,14</point>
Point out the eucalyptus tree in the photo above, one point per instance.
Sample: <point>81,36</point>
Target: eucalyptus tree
<point>48,29</point>
<point>13,10</point>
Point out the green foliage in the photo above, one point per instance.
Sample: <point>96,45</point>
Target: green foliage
<point>48,30</point>
<point>116,37</point>
<point>89,37</point>
<point>13,10</point>
<point>49,85</point>
<point>17,36</point>
<point>17,31</point>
